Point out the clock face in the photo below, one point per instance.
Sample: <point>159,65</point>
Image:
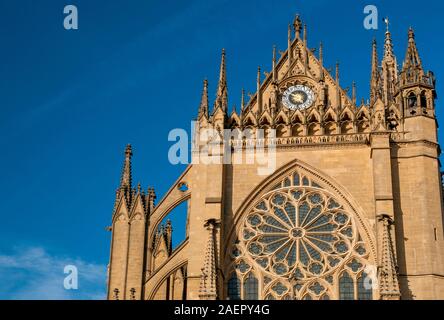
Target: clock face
<point>298,97</point>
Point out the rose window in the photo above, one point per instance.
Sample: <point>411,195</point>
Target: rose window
<point>298,232</point>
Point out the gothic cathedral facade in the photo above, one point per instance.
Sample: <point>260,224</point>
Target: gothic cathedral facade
<point>353,209</point>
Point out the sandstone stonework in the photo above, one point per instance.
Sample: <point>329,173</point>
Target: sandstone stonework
<point>355,198</point>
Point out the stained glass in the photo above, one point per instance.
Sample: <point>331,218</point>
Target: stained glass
<point>234,288</point>
<point>296,234</point>
<point>346,287</point>
<point>364,289</point>
<point>251,288</point>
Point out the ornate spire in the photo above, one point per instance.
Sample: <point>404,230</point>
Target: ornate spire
<point>389,68</point>
<point>126,179</point>
<point>412,58</point>
<point>259,95</point>
<point>208,278</point>
<point>354,93</point>
<point>222,90</point>
<point>150,199</point>
<point>337,73</point>
<point>321,61</point>
<point>388,45</point>
<point>168,233</point>
<point>243,101</point>
<point>388,275</point>
<point>297,25</point>
<point>305,50</point>
<point>374,81</point>
<point>412,70</point>
<point>338,88</point>
<point>290,52</point>
<point>203,109</point>
<point>274,64</point>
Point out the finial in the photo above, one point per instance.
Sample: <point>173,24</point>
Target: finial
<point>259,95</point>
<point>274,63</point>
<point>388,45</point>
<point>203,109</point>
<point>297,25</point>
<point>274,54</point>
<point>354,92</point>
<point>387,22</point>
<point>243,100</point>
<point>290,52</point>
<point>411,34</point>
<point>125,180</point>
<point>222,73</point>
<point>222,91</point>
<point>321,52</point>
<point>128,150</point>
<point>305,34</point>
<point>337,71</point>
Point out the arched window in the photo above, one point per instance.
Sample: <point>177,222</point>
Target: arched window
<point>412,100</point>
<point>363,293</point>
<point>234,288</point>
<point>346,287</point>
<point>251,288</point>
<point>301,241</point>
<point>423,100</point>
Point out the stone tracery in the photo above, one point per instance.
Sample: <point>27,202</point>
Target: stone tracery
<point>302,243</point>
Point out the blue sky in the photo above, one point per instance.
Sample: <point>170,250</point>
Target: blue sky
<point>71,100</point>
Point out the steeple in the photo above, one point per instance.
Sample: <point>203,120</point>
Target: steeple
<point>412,70</point>
<point>388,45</point>
<point>222,90</point>
<point>412,58</point>
<point>389,67</point>
<point>374,81</point>
<point>203,108</point>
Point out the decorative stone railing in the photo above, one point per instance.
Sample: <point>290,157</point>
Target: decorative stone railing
<point>361,138</point>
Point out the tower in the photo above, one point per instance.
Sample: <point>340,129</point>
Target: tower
<point>302,194</point>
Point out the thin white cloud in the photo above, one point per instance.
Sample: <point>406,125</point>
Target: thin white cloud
<point>32,273</point>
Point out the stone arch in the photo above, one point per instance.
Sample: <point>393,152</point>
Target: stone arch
<point>280,174</point>
<point>308,178</point>
<point>297,130</point>
<point>167,281</point>
<point>298,117</point>
<point>281,130</point>
<point>314,129</point>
